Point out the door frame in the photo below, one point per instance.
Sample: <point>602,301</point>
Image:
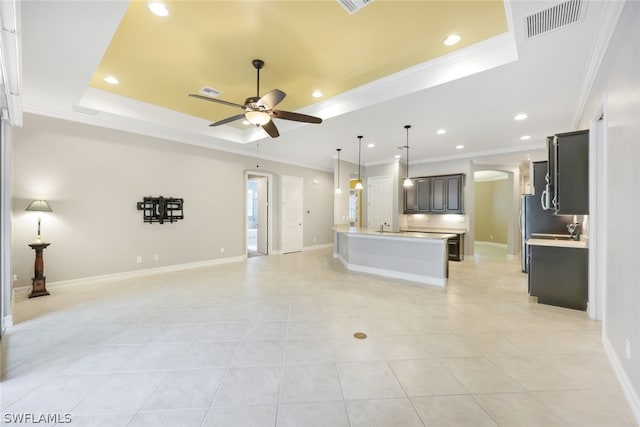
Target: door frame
<point>269,177</point>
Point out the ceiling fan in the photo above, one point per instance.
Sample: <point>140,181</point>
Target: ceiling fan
<point>259,110</point>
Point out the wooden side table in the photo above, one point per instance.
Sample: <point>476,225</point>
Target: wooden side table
<point>39,281</point>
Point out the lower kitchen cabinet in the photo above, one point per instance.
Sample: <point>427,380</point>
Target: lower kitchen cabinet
<point>559,276</point>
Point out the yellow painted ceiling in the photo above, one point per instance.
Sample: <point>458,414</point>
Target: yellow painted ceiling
<point>306,45</point>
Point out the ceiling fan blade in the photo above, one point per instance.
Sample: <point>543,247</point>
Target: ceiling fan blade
<point>227,120</point>
<point>296,117</point>
<point>219,101</point>
<point>272,98</point>
<point>271,129</point>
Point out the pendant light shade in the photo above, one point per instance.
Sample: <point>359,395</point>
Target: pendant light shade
<point>338,189</point>
<point>359,183</point>
<point>407,181</point>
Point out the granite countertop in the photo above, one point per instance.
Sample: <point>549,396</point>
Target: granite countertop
<point>434,230</point>
<point>403,234</point>
<point>558,240</point>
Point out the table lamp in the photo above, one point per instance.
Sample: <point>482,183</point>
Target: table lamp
<point>39,206</point>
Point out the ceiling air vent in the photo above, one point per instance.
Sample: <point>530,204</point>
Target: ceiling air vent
<point>556,17</point>
<point>352,6</point>
<point>209,91</point>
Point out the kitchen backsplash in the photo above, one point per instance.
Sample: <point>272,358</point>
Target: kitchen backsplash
<point>435,221</point>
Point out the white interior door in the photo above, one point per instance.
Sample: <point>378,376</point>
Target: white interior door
<point>291,214</point>
<point>380,202</point>
<point>262,215</point>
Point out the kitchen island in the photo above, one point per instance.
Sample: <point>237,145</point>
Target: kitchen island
<point>417,257</point>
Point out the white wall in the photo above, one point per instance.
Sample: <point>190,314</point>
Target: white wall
<point>93,178</point>
<point>618,86</point>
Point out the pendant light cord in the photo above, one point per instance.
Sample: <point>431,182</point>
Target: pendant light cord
<point>407,128</point>
<point>359,151</point>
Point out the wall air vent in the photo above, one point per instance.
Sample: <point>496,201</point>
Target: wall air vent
<point>554,18</point>
<point>352,6</point>
<point>209,91</point>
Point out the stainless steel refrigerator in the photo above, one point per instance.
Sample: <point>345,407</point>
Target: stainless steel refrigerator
<point>534,219</point>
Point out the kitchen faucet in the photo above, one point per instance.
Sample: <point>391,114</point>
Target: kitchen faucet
<point>574,230</point>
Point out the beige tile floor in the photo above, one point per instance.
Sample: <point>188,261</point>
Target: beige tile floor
<point>269,342</point>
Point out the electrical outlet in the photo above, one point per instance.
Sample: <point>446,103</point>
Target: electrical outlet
<point>221,250</point>
<point>627,350</point>
<point>156,257</point>
<point>314,239</point>
<point>139,259</point>
<point>491,236</point>
<point>15,277</point>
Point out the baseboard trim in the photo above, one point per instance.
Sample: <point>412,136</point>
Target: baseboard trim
<point>7,322</point>
<point>627,388</point>
<point>316,247</point>
<point>496,244</point>
<point>133,274</point>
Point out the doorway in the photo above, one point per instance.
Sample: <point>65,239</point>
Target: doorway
<point>491,213</point>
<point>258,214</point>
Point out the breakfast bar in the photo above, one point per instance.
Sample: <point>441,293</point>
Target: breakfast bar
<point>417,257</point>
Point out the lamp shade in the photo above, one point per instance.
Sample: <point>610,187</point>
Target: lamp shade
<point>39,206</point>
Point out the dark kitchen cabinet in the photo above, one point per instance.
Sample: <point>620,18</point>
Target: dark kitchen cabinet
<point>438,194</point>
<point>569,172</point>
<point>435,195</point>
<point>446,194</point>
<point>416,198</point>
<point>559,276</point>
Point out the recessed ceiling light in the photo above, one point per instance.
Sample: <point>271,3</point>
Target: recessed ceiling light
<point>157,8</point>
<point>441,131</point>
<point>316,94</point>
<point>452,39</point>
<point>371,145</point>
<point>525,137</point>
<point>520,116</point>
<point>459,147</point>
<point>111,80</point>
<point>397,156</point>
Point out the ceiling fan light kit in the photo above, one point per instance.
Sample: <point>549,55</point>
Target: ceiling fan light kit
<point>259,110</point>
<point>257,118</point>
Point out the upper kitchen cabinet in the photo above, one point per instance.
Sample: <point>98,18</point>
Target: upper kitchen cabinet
<point>417,198</point>
<point>446,194</point>
<point>569,172</point>
<point>435,195</point>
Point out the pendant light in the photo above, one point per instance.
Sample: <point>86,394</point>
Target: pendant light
<point>359,183</point>
<point>407,181</point>
<point>338,189</point>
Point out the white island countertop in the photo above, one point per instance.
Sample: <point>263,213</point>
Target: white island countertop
<point>398,234</point>
<point>434,230</point>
